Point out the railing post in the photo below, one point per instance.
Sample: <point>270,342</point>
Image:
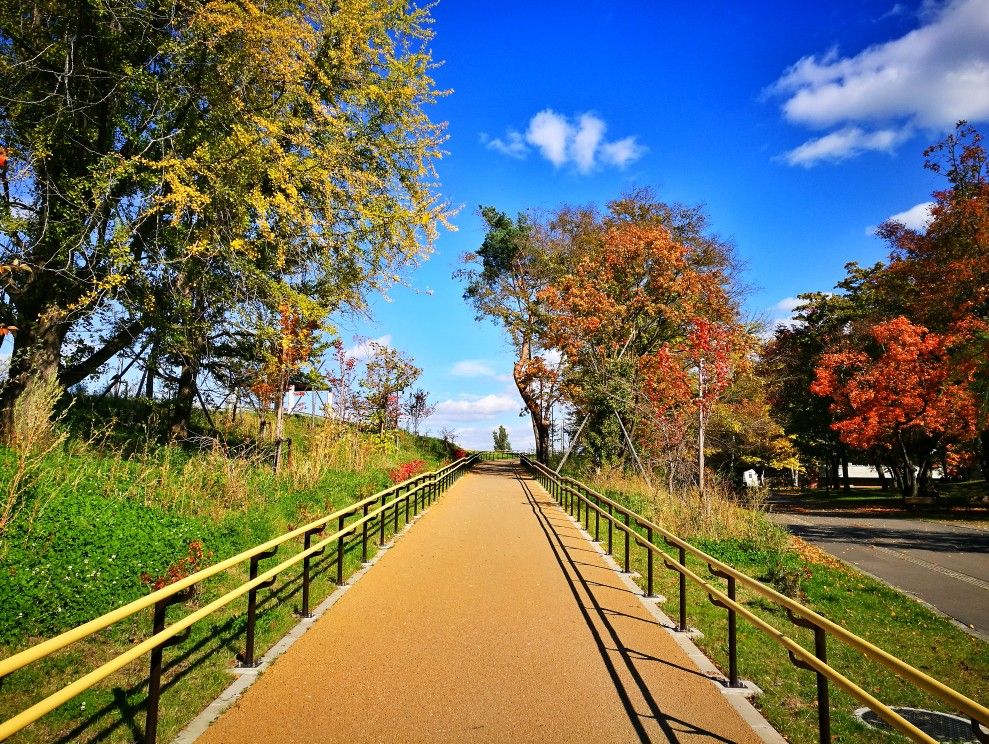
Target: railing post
<point>733,680</point>
<point>732,639</point>
<point>408,496</point>
<point>587,510</point>
<point>576,497</point>
<point>626,531</point>
<point>252,607</point>
<point>398,492</point>
<point>649,562</point>
<point>823,696</point>
<point>381,519</point>
<point>364,535</point>
<point>307,542</point>
<point>611,515</point>
<point>154,673</point>
<point>597,520</point>
<point>341,547</point>
<point>683,593</point>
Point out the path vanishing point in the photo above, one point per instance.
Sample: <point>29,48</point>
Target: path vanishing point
<point>494,619</point>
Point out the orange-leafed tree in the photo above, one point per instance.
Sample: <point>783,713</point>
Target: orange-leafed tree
<point>909,394</point>
<point>647,321</point>
<point>942,271</point>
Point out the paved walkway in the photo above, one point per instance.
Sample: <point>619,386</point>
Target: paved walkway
<point>492,620</point>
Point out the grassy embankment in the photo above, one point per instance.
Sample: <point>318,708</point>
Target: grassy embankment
<point>97,504</point>
<point>746,539</point>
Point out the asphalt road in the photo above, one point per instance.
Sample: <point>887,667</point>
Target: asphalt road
<point>944,564</point>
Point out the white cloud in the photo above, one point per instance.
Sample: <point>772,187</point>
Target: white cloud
<point>513,144</point>
<point>916,218</point>
<point>479,437</point>
<point>561,141</point>
<point>550,132</point>
<point>590,132</point>
<point>622,152</point>
<point>844,143</point>
<point>897,10</point>
<point>364,349</point>
<point>472,368</point>
<point>552,357</point>
<point>929,78</point>
<point>485,407</point>
<point>477,368</point>
<point>788,304</point>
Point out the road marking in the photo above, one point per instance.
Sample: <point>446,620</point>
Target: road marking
<point>934,567</point>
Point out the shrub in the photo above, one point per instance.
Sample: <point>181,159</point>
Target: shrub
<point>406,470</point>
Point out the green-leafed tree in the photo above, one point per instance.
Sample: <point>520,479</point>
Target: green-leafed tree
<point>504,278</point>
<point>501,443</point>
<point>169,166</point>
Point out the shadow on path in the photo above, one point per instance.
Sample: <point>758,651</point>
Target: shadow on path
<point>597,619</point>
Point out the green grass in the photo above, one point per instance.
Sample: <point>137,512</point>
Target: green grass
<point>93,517</point>
<point>866,607</point>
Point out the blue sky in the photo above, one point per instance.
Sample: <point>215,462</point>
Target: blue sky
<point>798,131</point>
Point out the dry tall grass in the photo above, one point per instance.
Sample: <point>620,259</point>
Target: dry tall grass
<point>717,515</point>
<point>37,433</point>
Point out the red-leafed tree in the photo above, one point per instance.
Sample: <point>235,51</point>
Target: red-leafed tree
<point>288,351</point>
<point>909,394</point>
<point>942,272</point>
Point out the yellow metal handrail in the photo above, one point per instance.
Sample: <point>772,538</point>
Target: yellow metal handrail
<point>439,478</point>
<point>799,613</point>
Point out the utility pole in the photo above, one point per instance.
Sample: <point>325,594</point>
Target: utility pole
<point>700,431</point>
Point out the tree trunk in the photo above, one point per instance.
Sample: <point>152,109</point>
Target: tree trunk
<point>34,362</point>
<point>540,425</point>
<point>846,483</point>
<point>152,369</point>
<point>185,396</point>
<point>909,486</point>
<point>884,484</point>
<point>984,453</point>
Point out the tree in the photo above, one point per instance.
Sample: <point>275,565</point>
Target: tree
<point>167,165</point>
<point>906,394</point>
<point>744,433</point>
<point>387,375</point>
<point>293,347</point>
<point>788,362</point>
<point>417,408</point>
<point>504,278</point>
<point>647,323</point>
<point>342,383</point>
<point>942,271</point>
<point>501,443</point>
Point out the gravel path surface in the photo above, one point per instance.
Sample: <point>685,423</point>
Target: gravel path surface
<point>492,620</point>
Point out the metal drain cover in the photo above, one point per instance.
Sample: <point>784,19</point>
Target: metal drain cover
<point>941,726</point>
